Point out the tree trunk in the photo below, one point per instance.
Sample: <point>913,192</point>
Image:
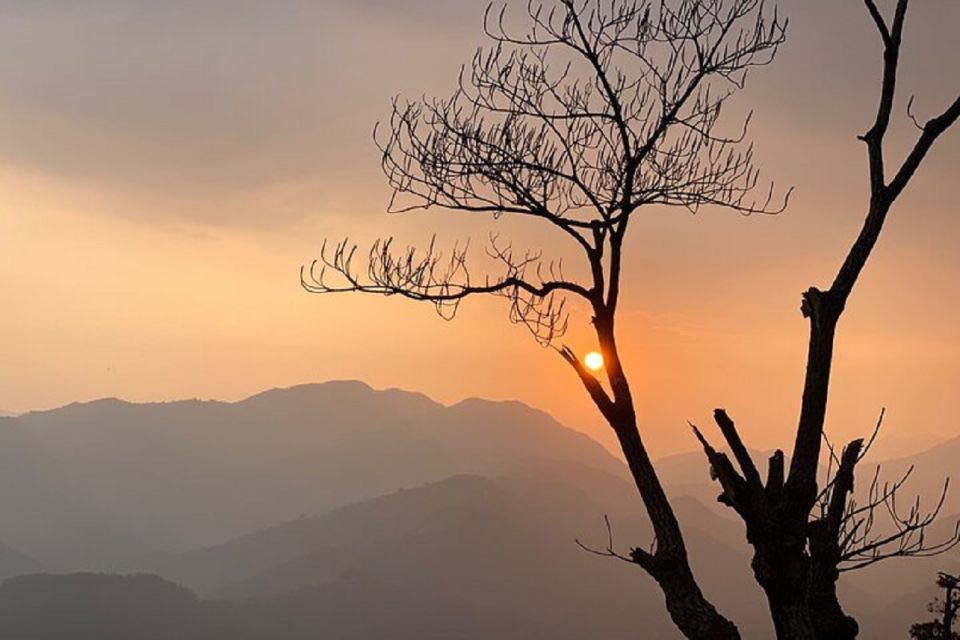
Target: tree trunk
<point>782,568</point>
<point>829,620</point>
<point>808,611</point>
<point>796,556</point>
<point>828,616</point>
<point>690,611</point>
<point>669,565</point>
<point>823,310</point>
<point>798,579</point>
<point>791,617</point>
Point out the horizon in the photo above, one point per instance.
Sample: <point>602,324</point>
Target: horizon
<point>923,442</point>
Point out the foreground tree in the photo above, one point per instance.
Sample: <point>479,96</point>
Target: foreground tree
<point>805,535</point>
<point>946,610</point>
<point>598,109</point>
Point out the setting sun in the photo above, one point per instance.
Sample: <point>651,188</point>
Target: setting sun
<point>593,361</point>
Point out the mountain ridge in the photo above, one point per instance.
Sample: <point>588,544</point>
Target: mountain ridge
<point>176,475</point>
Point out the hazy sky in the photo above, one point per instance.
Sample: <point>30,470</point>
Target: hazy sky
<point>165,168</point>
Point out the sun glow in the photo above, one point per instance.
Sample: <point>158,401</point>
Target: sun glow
<point>593,361</point>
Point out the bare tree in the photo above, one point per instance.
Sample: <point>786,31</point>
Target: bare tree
<point>947,608</point>
<point>804,536</point>
<point>597,109</point>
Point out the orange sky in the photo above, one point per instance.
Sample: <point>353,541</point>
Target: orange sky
<point>165,168</point>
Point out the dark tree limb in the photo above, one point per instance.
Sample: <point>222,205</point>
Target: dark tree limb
<point>729,431</point>
<point>800,550</point>
<point>825,308</point>
<point>775,476</point>
<point>598,109</point>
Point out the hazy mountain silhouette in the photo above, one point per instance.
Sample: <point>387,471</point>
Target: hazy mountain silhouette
<point>572,504</point>
<point>505,543</point>
<point>110,607</point>
<point>930,469</point>
<point>120,479</point>
<point>490,549</point>
<point>14,563</point>
<point>466,557</point>
<point>101,607</point>
<point>423,521</point>
<point>51,518</point>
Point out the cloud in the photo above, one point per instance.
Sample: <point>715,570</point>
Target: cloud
<point>195,108</point>
<point>240,111</point>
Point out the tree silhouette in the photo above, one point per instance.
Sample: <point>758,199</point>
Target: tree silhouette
<point>947,609</point>
<point>803,535</point>
<point>598,109</point>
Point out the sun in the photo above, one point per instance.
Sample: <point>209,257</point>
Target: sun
<point>593,361</point>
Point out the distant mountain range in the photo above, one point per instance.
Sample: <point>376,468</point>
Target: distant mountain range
<point>504,545</point>
<point>99,482</point>
<point>341,512</point>
<point>109,607</point>
<point>466,557</point>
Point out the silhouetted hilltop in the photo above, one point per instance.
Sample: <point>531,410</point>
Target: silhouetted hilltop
<point>52,518</point>
<point>467,557</point>
<point>142,607</point>
<point>501,543</point>
<point>342,508</point>
<point>118,479</point>
<point>100,607</point>
<point>506,543</point>
<point>930,469</point>
<point>13,563</point>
